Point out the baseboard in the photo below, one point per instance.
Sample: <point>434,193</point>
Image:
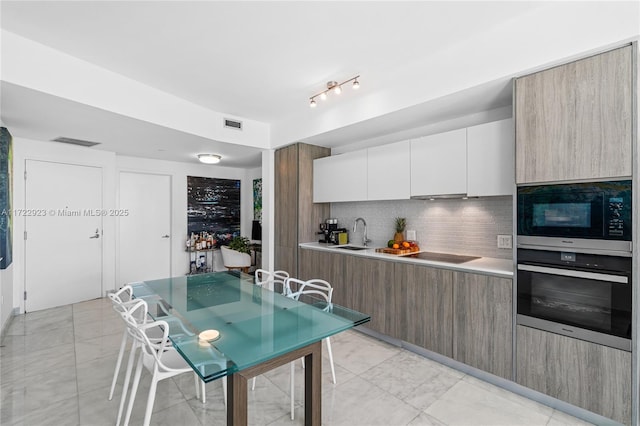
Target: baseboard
<point>7,324</point>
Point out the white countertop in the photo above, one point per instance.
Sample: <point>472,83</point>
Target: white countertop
<point>484,265</point>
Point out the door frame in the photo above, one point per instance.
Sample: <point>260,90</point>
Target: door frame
<point>117,222</point>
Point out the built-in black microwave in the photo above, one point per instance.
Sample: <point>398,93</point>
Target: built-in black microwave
<point>594,215</point>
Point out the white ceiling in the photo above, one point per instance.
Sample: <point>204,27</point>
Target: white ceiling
<point>258,60</point>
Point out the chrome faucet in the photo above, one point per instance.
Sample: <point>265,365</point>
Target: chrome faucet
<point>365,240</point>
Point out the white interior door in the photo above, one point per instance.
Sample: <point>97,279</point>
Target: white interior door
<point>144,248</point>
<point>63,223</point>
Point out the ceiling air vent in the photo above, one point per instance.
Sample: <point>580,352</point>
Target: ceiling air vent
<point>233,124</point>
<point>78,142</point>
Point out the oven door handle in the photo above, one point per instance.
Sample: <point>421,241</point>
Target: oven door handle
<point>575,274</point>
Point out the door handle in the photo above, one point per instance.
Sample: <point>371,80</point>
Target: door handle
<point>97,235</point>
<point>165,236</point>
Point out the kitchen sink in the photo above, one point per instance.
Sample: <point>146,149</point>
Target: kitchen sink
<point>352,247</point>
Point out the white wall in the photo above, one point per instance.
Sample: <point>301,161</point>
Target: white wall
<point>112,165</point>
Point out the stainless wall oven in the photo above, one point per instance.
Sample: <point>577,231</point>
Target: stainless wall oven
<point>574,260</point>
<point>581,295</point>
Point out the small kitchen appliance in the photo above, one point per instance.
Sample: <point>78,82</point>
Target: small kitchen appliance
<point>326,228</point>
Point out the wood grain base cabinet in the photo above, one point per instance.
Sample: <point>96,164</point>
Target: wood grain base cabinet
<point>428,310</point>
<point>591,376</point>
<point>482,323</point>
<point>373,290</point>
<point>325,266</point>
<point>574,121</point>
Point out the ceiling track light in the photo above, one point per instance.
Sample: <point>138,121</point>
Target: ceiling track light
<point>335,87</point>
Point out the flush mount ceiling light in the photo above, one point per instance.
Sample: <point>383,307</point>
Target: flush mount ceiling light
<point>209,158</point>
<point>335,87</point>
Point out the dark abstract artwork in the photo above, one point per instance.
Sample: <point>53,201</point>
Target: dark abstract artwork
<point>6,216</point>
<point>213,206</point>
<point>257,200</point>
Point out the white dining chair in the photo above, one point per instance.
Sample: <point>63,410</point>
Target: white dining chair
<point>160,358</point>
<point>119,300</point>
<point>318,289</point>
<point>122,300</point>
<point>133,315</point>
<point>271,280</point>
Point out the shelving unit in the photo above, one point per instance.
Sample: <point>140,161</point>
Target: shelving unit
<point>200,260</point>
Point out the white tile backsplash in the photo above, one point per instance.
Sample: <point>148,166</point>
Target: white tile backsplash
<point>454,226</point>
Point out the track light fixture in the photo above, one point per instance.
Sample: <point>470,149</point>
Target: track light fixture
<point>335,87</point>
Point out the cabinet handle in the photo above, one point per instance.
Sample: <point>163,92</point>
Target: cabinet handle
<point>165,236</point>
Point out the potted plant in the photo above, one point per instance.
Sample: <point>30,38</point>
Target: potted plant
<point>237,255</point>
<point>400,224</point>
<point>241,244</point>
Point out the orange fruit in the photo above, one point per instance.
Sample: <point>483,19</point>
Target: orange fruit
<point>396,246</point>
<point>406,244</point>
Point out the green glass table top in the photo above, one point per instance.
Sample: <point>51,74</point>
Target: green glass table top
<point>255,324</point>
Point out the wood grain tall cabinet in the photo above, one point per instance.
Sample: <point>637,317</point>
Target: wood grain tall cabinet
<point>574,121</point>
<point>296,216</point>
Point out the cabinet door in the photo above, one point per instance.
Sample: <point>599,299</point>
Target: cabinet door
<point>574,121</point>
<point>482,325</point>
<point>603,115</point>
<point>429,307</point>
<point>439,164</point>
<point>490,159</point>
<point>286,209</point>
<point>591,376</point>
<point>340,177</point>
<point>326,266</point>
<point>373,291</point>
<point>388,172</point>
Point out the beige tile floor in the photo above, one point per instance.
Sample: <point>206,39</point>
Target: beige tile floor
<point>56,368</point>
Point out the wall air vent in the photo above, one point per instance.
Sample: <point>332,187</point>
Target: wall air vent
<point>232,124</point>
<point>78,142</point>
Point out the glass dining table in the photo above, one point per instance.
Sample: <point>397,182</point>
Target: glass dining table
<point>224,325</point>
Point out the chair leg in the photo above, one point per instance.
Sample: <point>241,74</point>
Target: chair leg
<point>333,370</point>
<point>123,344</point>
<point>150,401</point>
<point>293,385</point>
<point>127,378</point>
<point>134,389</point>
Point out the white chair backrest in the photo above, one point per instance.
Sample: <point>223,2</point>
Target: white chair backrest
<point>152,347</point>
<point>315,287</point>
<point>264,278</point>
<point>121,298</point>
<point>135,314</point>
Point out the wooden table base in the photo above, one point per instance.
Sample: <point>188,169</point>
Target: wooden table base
<point>237,385</point>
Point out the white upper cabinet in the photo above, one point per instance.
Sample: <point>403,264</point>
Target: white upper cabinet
<point>340,177</point>
<point>388,172</point>
<point>490,159</point>
<point>439,164</point>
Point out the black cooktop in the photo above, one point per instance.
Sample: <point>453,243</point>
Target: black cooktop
<point>443,257</point>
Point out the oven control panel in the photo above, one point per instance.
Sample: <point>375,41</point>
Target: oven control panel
<point>616,221</point>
